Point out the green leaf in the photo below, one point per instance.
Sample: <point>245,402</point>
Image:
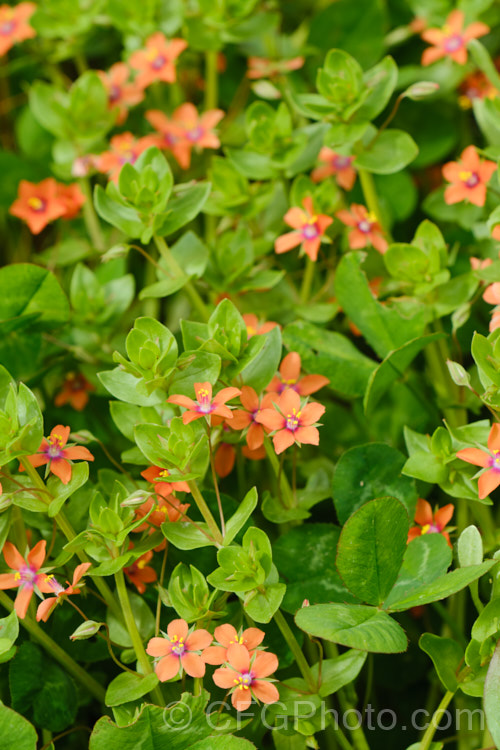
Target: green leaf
<point>338,672</point>
<point>488,622</point>
<point>426,558</point>
<point>33,293</point>
<point>447,657</point>
<point>391,151</point>
<point>15,732</point>
<point>124,218</point>
<point>354,626</point>
<point>195,367</point>
<point>185,204</point>
<point>330,354</point>
<point>239,519</point>
<point>470,547</point>
<point>184,535</point>
<point>260,359</point>
<point>129,687</point>
<point>381,81</point>
<point>262,605</point>
<point>125,387</point>
<point>143,617</point>
<point>492,696</point>
<point>368,564</point>
<point>443,586</point>
<point>369,471</point>
<point>9,630</point>
<point>61,492</point>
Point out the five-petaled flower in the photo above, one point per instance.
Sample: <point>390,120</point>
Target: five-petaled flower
<point>27,576</point>
<point>468,178</point>
<point>289,377</point>
<point>451,40</point>
<point>226,636</point>
<point>46,607</point>
<point>185,131</point>
<point>179,650</point>
<point>245,676</point>
<point>366,229</point>
<point>335,165</point>
<point>263,67</point>
<point>140,573</point>
<point>247,417</point>
<point>309,229</point>
<point>122,93</point>
<point>255,327</point>
<point>14,26</point>
<point>160,478</point>
<point>75,391</point>
<point>492,297</point>
<point>39,204</point>
<point>205,405</point>
<point>53,451</point>
<point>123,149</point>
<point>157,61</point>
<point>291,422</point>
<point>489,460</point>
<point>429,523</point>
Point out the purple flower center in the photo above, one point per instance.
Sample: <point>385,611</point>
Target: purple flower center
<point>128,158</point>
<point>195,134</point>
<point>453,43</point>
<point>341,162</point>
<point>158,62</point>
<point>178,646</point>
<point>28,576</point>
<point>7,28</point>
<point>310,231</point>
<point>38,205</point>
<point>495,461</point>
<point>53,451</point>
<point>473,180</point>
<point>115,93</point>
<point>292,420</point>
<point>364,226</point>
<point>246,679</point>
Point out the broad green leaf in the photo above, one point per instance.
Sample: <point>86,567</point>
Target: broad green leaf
<point>129,687</point>
<point>239,519</point>
<point>143,617</point>
<point>31,292</point>
<point>15,732</point>
<point>369,471</point>
<point>184,205</point>
<point>184,535</point>
<point>470,547</point>
<point>492,696</point>
<point>488,622</point>
<point>386,152</point>
<point>354,626</point>
<point>125,387</point>
<point>9,630</point>
<point>371,548</point>
<point>447,657</point>
<point>338,672</point>
<point>426,558</point>
<point>260,359</point>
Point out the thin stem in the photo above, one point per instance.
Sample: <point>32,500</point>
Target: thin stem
<point>177,271</point>
<point>135,636</point>
<point>346,704</point>
<point>307,280</point>
<point>160,583</point>
<point>74,669</point>
<point>286,490</point>
<point>436,718</point>
<point>64,734</point>
<point>90,217</point>
<point>205,512</point>
<point>386,122</point>
<point>294,647</point>
<point>211,79</point>
<point>371,197</point>
<point>216,485</point>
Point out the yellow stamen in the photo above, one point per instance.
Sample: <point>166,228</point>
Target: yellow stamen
<point>426,528</point>
<point>17,576</point>
<point>464,176</point>
<point>164,473</point>
<point>35,203</point>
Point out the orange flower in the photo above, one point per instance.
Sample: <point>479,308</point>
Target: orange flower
<point>495,232</point>
<point>451,40</point>
<point>75,391</point>
<point>477,263</point>
<point>157,61</point>
<point>429,523</point>
<point>72,197</point>
<point>124,149</point>
<point>167,508</point>
<point>254,455</point>
<point>39,204</point>
<point>179,650</point>
<point>53,452</point>
<point>289,377</point>
<point>27,575</point>
<point>292,422</point>
<point>185,131</point>
<point>366,229</point>
<point>491,295</point>
<point>163,487</point>
<point>246,675</point>
<point>308,229</point>
<point>46,607</point>
<point>226,636</point>
<point>224,459</point>
<point>254,327</point>
<point>490,460</point>
<point>335,165</point>
<point>476,86</point>
<point>262,67</point>
<point>14,26</point>
<point>247,417</point>
<point>468,178</point>
<point>204,404</point>
<point>140,573</point>
<point>122,93</point>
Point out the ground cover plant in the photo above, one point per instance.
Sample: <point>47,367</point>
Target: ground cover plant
<point>250,375</point>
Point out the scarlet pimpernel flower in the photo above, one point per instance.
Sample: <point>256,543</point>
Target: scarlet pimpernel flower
<point>14,26</point>
<point>247,417</point>
<point>122,92</point>
<point>54,453</point>
<point>489,460</point>
<point>75,391</point>
<point>38,204</point>
<point>309,229</point>
<point>246,676</point>
<point>179,650</point>
<point>335,165</point>
<point>291,422</point>
<point>224,459</point>
<point>205,405</point>
<point>492,297</point>
<point>226,636</point>
<point>468,177</point>
<point>48,605</point>
<point>25,575</point>
<point>451,40</point>
<point>263,67</point>
<point>429,522</point>
<point>156,62</point>
<point>162,485</point>
<point>256,327</point>
<point>123,149</point>
<point>365,228</point>
<point>140,573</point>
<point>185,130</point>
<point>288,376</point>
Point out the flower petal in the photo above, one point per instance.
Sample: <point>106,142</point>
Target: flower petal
<point>12,556</point>
<point>265,691</point>
<point>238,657</point>
<point>198,640</point>
<point>193,664</point>
<point>474,456</point>
<point>37,554</point>
<point>224,678</point>
<point>423,513</point>
<point>214,655</point>
<point>158,647</point>
<point>61,469</point>
<point>168,667</point>
<point>494,437</point>
<point>265,664</point>
<point>488,482</point>
<point>177,628</point>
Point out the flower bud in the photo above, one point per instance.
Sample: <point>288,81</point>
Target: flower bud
<point>421,90</point>
<point>86,630</point>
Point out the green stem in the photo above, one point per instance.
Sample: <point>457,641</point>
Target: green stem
<point>307,281</point>
<point>205,512</point>
<point>90,217</point>
<point>436,718</point>
<point>335,734</point>
<point>74,669</point>
<point>188,287</point>
<point>347,706</point>
<point>294,647</point>
<point>371,198</point>
<point>211,80</point>
<point>135,636</point>
<point>286,490</point>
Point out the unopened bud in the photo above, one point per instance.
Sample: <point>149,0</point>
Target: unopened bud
<point>305,603</point>
<point>86,630</point>
<point>137,498</point>
<point>421,90</point>
<point>458,374</point>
